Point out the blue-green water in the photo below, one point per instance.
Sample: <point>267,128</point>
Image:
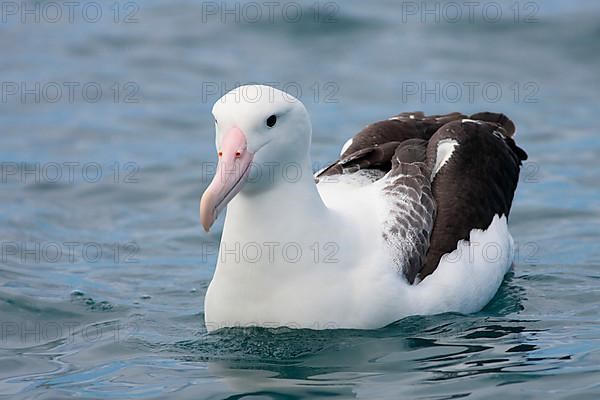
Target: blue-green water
<point>128,323</point>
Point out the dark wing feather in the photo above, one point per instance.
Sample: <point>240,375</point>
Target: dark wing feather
<point>374,146</point>
<point>477,182</point>
<point>408,189</point>
<point>372,157</point>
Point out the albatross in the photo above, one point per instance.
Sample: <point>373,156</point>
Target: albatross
<point>410,220</point>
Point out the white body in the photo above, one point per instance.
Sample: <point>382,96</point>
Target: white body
<point>306,256</point>
<point>359,287</point>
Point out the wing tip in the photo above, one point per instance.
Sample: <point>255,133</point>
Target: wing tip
<point>497,118</point>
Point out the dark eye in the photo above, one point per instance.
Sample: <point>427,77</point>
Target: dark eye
<point>271,121</point>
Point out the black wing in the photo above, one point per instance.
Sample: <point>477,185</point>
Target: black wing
<point>446,199</point>
<point>476,183</point>
<point>374,146</point>
<point>412,207</point>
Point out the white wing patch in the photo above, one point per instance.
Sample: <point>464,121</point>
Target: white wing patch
<point>471,121</point>
<point>445,150</point>
<point>401,117</point>
<point>345,146</point>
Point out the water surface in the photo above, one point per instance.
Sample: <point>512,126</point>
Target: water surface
<point>128,323</point>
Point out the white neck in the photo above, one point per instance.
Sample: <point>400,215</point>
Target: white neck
<point>273,213</point>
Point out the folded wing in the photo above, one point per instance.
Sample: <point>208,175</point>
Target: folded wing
<point>445,175</point>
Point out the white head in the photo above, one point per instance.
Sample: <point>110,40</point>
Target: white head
<point>255,125</point>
